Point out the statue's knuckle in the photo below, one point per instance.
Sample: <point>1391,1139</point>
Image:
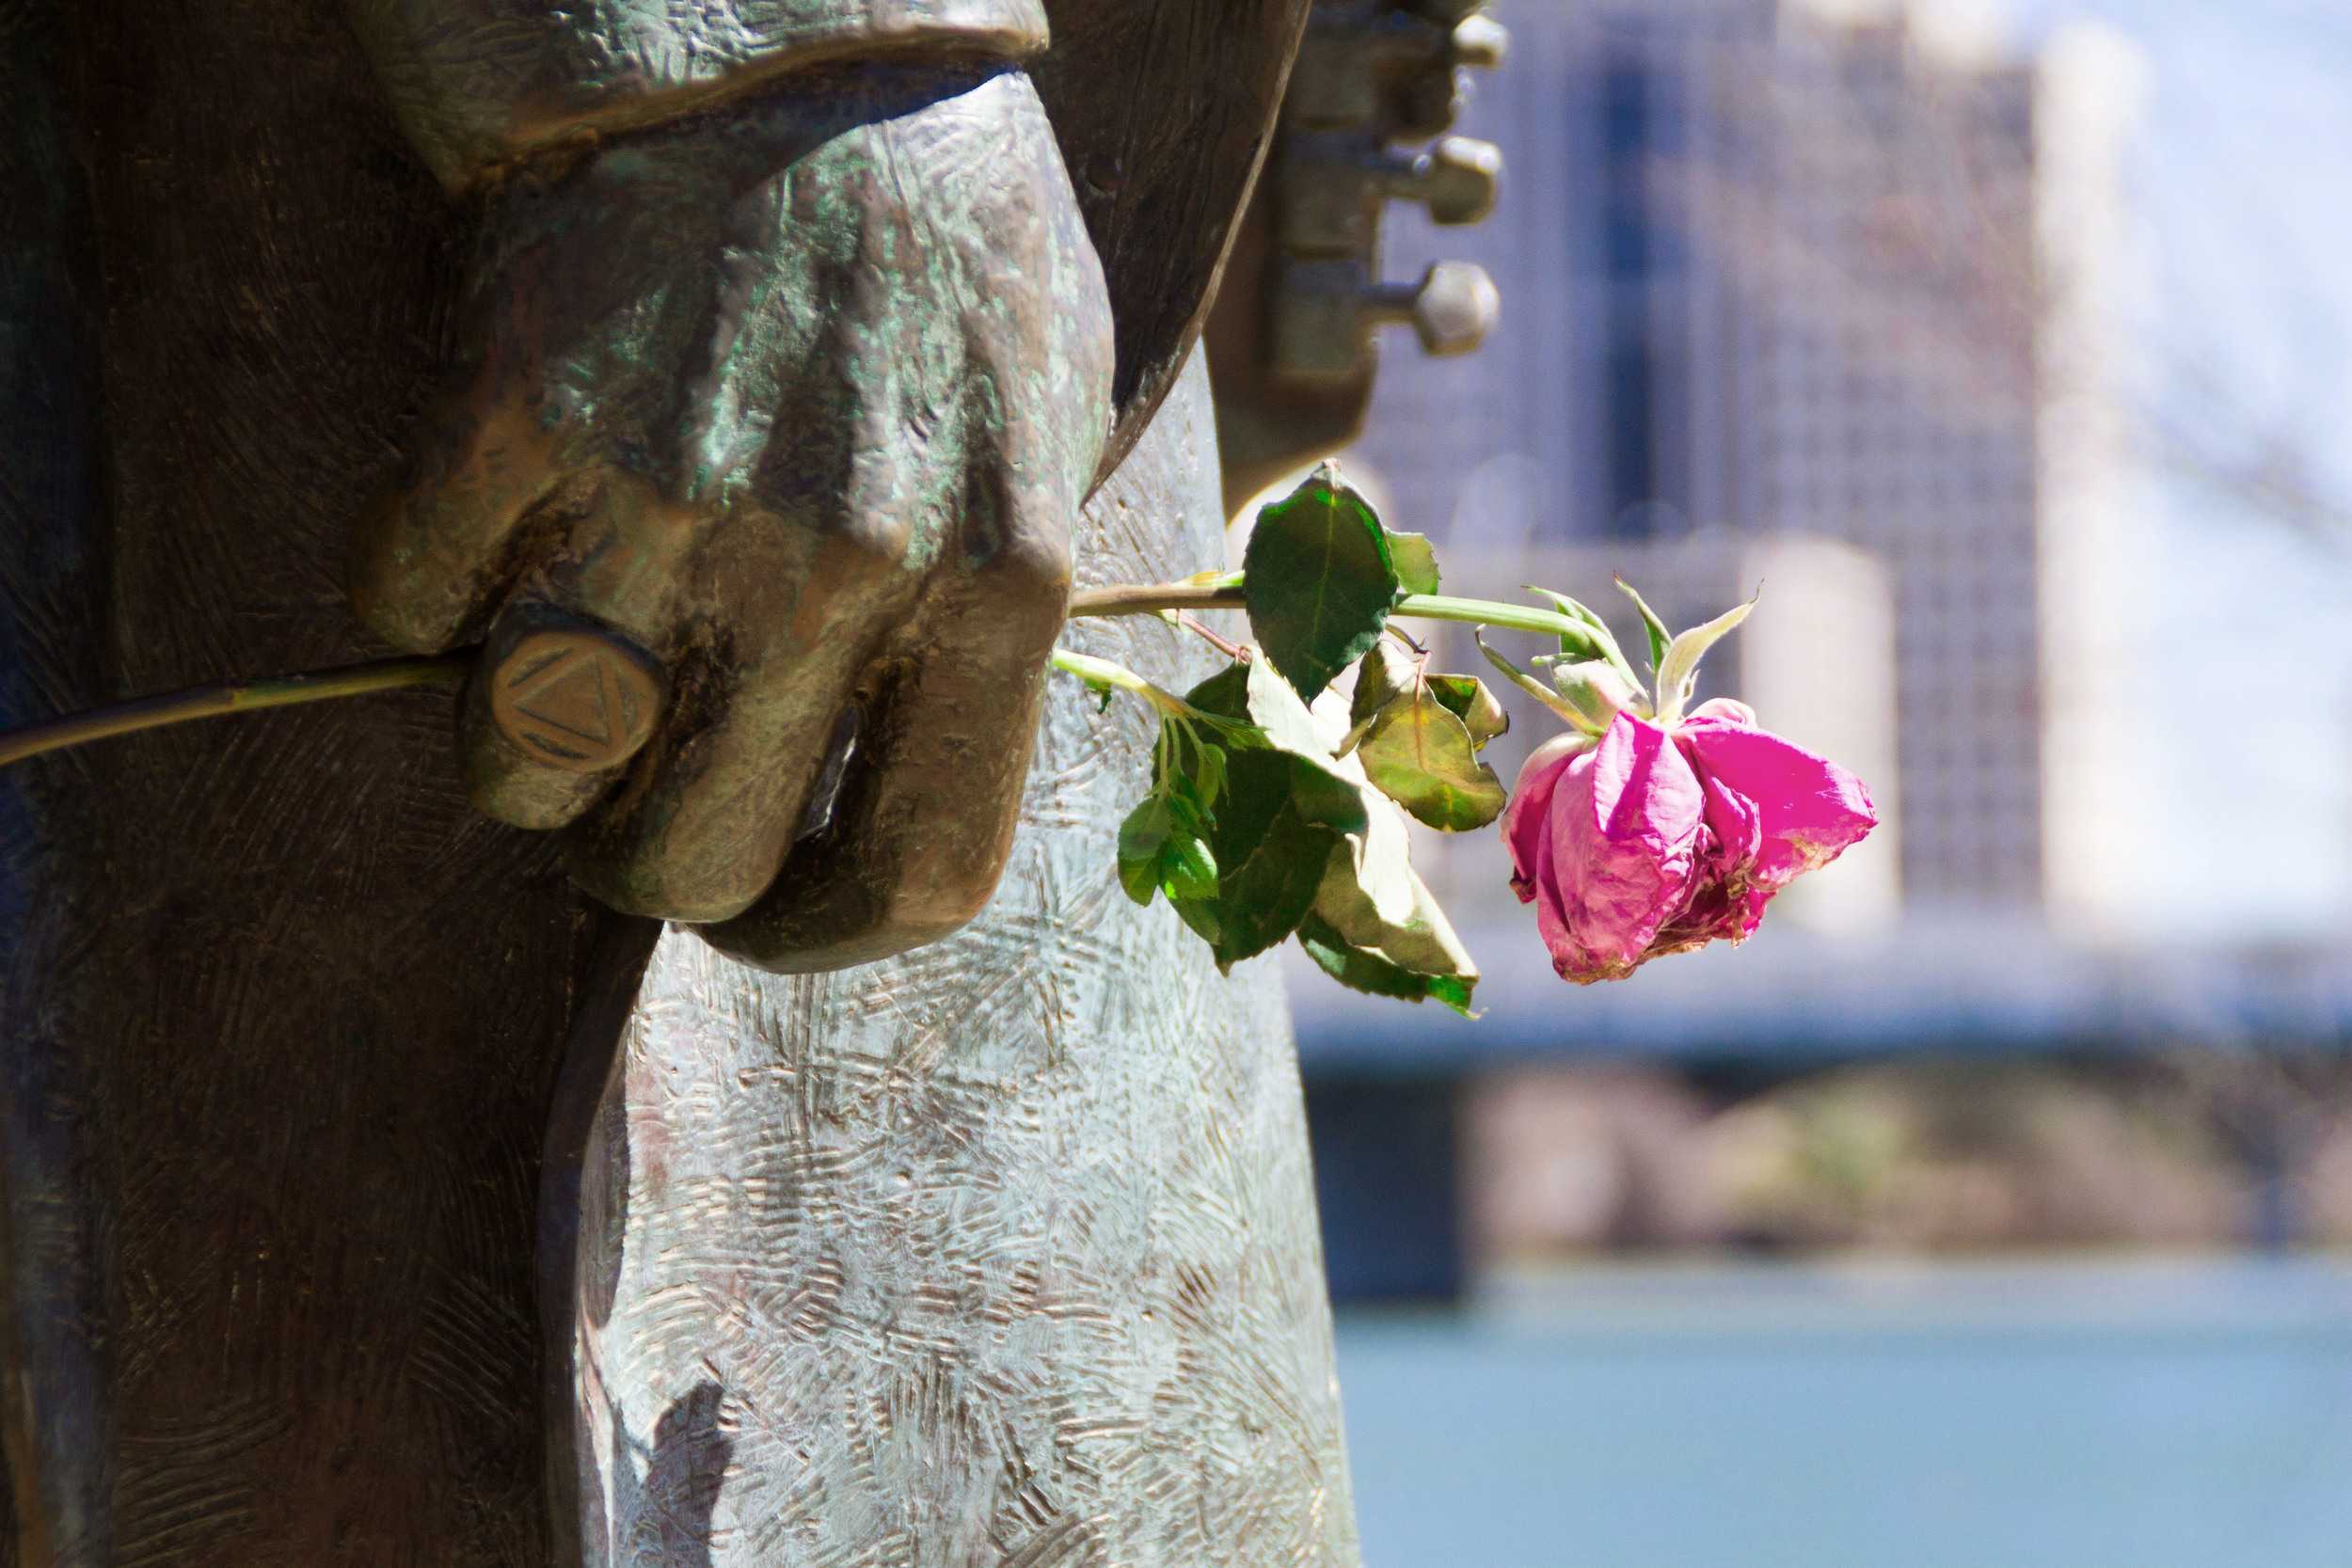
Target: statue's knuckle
<point>872,543</point>
<point>383,611</point>
<point>396,607</point>
<point>654,887</point>
<point>1034,562</point>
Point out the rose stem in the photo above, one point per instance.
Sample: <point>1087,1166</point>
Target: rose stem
<point>1150,598</point>
<point>394,675</point>
<point>229,697</point>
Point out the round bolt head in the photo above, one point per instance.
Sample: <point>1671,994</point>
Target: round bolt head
<point>1480,42</point>
<point>1459,180</point>
<point>573,700</point>
<point>1455,308</point>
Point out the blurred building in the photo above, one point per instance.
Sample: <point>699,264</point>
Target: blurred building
<point>1816,294</point>
<point>1771,269</point>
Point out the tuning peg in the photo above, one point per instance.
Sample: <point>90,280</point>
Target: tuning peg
<point>1455,180</point>
<point>1363,63</point>
<point>1324,314</point>
<point>1479,42</point>
<point>1331,185</point>
<point>1421,102</point>
<point>1451,309</point>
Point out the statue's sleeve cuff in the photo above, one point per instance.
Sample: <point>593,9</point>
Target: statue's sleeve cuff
<point>480,83</point>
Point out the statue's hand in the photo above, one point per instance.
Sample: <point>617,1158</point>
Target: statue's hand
<point>800,400</point>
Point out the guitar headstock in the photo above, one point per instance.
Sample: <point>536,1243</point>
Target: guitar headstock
<point>1366,122</point>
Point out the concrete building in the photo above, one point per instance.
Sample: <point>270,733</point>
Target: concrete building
<point>1773,269</point>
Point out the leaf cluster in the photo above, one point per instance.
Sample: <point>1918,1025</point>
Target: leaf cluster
<point>1281,836</point>
<point>1274,814</point>
<point>1322,576</point>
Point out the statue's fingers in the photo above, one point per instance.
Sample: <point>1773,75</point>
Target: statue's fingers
<point>925,818</point>
<point>433,558</point>
<point>573,680</point>
<point>704,825</point>
<point>797,617</point>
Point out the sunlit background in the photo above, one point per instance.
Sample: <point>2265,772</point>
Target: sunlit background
<point>1979,1212</point>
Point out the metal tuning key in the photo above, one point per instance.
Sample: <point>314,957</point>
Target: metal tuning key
<point>1294,348</point>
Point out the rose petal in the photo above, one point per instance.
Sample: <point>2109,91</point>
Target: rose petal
<point>1526,822</point>
<point>1807,808</point>
<point>1730,710</point>
<point>1626,827</point>
<point>1731,907</point>
<point>1551,915</point>
<point>1739,826</point>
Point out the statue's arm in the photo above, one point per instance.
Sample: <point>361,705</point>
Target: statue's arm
<point>479,82</point>
<point>798,394</point>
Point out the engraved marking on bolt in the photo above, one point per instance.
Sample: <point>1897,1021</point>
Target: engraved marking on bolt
<point>572,700</point>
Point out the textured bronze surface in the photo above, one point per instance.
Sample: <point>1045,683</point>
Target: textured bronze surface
<point>479,82</point>
<point>282,1012</point>
<point>573,700</point>
<point>284,1018</point>
<point>1164,112</point>
<point>1003,1252</point>
<point>804,410</point>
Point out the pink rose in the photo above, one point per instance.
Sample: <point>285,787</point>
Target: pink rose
<point>1658,840</point>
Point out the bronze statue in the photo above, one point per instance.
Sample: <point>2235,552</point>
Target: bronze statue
<point>382,1184</point>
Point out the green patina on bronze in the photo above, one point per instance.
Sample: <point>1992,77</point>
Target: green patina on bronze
<point>779,341</point>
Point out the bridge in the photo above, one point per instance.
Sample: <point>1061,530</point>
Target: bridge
<point>2003,988</point>
<point>1383,1078</point>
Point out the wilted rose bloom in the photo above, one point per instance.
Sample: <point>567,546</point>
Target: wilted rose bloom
<point>1653,842</point>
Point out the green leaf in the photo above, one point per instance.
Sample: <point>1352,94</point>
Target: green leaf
<point>1373,899</point>
<point>1467,698</point>
<point>1270,854</point>
<point>1385,675</point>
<point>1141,837</point>
<point>1200,915</point>
<point>1327,792</point>
<point>1258,782</point>
<point>1415,562</point>
<point>1658,636</point>
<point>1162,849</point>
<point>1187,868</point>
<point>1678,672</point>
<point>1257,789</point>
<point>1302,829</point>
<point>1422,757</point>
<point>1209,776</point>
<point>1373,974</point>
<point>1262,900</point>
<point>1370,891</point>
<point>1319,581</point>
<point>1223,695</point>
<point>1184,805</point>
<point>1533,687</point>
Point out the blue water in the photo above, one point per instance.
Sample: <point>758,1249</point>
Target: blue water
<point>2151,1415</point>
